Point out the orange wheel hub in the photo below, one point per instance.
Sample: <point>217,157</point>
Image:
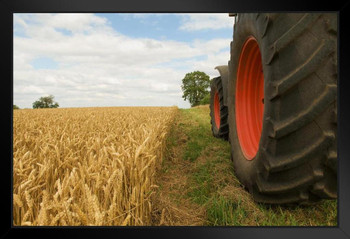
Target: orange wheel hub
<point>249,101</point>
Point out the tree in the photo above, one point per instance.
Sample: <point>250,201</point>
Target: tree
<point>195,87</point>
<point>45,102</point>
<point>205,100</point>
<point>15,107</point>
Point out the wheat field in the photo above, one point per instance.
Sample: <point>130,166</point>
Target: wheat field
<point>87,166</point>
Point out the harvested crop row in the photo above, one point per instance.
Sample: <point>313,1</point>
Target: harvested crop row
<point>87,166</point>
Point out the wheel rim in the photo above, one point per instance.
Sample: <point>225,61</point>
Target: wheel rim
<point>249,100</point>
<point>217,109</point>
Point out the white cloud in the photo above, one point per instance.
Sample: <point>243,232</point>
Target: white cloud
<point>98,66</point>
<point>204,21</point>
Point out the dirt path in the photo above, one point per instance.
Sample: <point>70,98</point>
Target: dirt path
<point>173,207</point>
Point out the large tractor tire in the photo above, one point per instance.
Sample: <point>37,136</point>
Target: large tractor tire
<point>282,106</point>
<point>218,111</point>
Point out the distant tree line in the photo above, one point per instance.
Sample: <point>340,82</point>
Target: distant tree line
<point>43,102</point>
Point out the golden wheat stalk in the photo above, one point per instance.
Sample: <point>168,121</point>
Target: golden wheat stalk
<point>87,166</point>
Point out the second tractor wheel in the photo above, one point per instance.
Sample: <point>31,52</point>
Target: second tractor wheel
<point>218,111</point>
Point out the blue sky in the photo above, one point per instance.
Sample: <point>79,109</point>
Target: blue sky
<point>160,27</point>
<point>88,60</point>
